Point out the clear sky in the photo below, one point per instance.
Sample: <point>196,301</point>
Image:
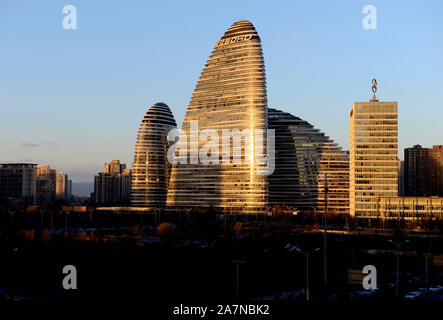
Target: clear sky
<point>74,99</point>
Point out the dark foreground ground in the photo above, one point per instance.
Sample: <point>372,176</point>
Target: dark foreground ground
<point>159,264</point>
<point>126,265</point>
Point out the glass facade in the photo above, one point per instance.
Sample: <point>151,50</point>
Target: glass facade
<point>151,169</point>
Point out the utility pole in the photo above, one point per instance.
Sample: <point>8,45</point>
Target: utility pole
<point>307,278</point>
<point>426,270</point>
<point>398,244</point>
<point>325,231</point>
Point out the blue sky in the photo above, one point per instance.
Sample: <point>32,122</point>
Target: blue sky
<point>74,99</point>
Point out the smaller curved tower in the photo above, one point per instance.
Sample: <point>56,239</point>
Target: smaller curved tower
<point>304,155</point>
<point>151,170</point>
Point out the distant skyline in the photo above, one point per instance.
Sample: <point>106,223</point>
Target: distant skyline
<point>74,99</point>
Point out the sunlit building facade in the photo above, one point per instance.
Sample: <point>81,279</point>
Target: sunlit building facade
<point>230,95</point>
<point>63,187</point>
<point>151,170</point>
<point>113,186</point>
<point>410,208</point>
<point>373,155</point>
<point>306,160</point>
<point>333,178</point>
<point>45,185</point>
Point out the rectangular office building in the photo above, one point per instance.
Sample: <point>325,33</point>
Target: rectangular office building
<point>18,181</point>
<point>373,155</point>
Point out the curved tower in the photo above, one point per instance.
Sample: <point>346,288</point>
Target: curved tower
<point>303,155</point>
<point>230,95</point>
<point>151,169</point>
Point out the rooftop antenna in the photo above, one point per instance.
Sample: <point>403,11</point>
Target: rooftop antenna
<point>374,87</point>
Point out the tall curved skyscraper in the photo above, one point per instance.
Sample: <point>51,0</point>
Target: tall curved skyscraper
<point>151,169</point>
<point>303,156</point>
<point>230,94</point>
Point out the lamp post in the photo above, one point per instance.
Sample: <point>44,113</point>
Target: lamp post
<point>426,271</point>
<point>12,218</point>
<point>237,288</point>
<point>41,217</point>
<point>66,220</point>
<point>398,244</point>
<point>307,254</point>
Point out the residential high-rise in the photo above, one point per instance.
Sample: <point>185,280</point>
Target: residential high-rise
<point>230,95</point>
<point>63,187</point>
<point>114,167</point>
<point>303,157</point>
<point>401,178</point>
<point>112,187</point>
<point>46,182</point>
<point>69,190</point>
<point>423,171</point>
<point>151,170</point>
<point>373,155</point>
<point>18,181</point>
<point>125,191</point>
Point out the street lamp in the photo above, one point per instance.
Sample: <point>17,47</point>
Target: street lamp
<point>12,218</point>
<point>398,244</point>
<point>66,220</point>
<point>307,254</point>
<point>237,291</point>
<point>52,219</point>
<point>41,217</point>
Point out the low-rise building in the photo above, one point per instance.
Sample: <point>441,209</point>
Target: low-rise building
<point>409,207</point>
